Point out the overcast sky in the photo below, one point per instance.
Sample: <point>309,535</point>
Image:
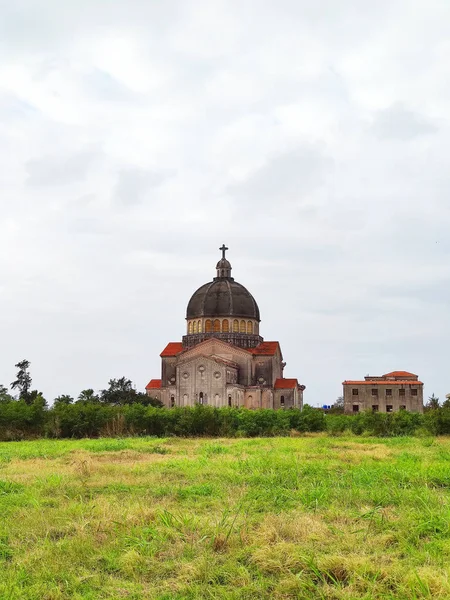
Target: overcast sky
<point>312,138</point>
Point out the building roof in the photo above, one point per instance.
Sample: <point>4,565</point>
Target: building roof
<point>153,384</point>
<point>172,349</point>
<point>285,384</point>
<point>222,297</point>
<point>399,374</point>
<point>389,382</point>
<point>265,348</point>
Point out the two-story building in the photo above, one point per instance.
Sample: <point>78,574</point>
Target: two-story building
<point>398,390</point>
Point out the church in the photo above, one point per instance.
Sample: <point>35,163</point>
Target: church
<point>223,360</point>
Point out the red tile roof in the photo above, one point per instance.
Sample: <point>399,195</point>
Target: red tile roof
<point>399,374</point>
<point>265,348</point>
<point>172,349</point>
<point>285,384</point>
<point>153,384</point>
<point>384,382</point>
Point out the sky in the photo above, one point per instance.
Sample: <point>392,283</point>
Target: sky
<point>313,138</point>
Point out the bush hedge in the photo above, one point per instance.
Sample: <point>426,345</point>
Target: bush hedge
<point>19,420</point>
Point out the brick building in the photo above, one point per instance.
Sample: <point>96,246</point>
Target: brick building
<point>222,360</point>
<point>391,392</point>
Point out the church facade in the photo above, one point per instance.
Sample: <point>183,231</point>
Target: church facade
<point>222,360</point>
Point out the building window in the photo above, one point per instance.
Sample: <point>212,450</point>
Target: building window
<point>208,326</point>
<point>414,392</point>
<point>388,392</point>
<point>388,407</point>
<point>249,327</point>
<point>355,392</point>
<point>225,326</point>
<point>217,325</point>
<point>374,392</point>
<point>199,326</point>
<point>402,407</point>
<point>356,408</point>
<point>190,327</point>
<point>374,407</point>
<point>229,400</point>
<point>200,398</point>
<point>195,327</point>
<point>172,401</point>
<point>242,329</point>
<point>401,392</point>
<point>282,401</point>
<point>235,326</point>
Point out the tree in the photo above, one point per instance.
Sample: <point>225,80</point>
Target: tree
<point>433,403</point>
<point>87,396</point>
<point>4,396</point>
<point>64,399</point>
<point>121,391</point>
<point>23,380</point>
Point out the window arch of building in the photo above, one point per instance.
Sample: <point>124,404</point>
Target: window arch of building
<point>216,325</point>
<point>249,327</point>
<point>235,326</point>
<point>199,326</point>
<point>208,325</point>
<point>242,327</point>
<point>225,326</point>
<point>195,327</point>
<point>190,327</point>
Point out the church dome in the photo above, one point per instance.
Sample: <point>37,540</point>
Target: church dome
<point>222,297</point>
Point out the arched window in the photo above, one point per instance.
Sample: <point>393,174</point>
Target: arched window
<point>249,327</point>
<point>217,325</point>
<point>208,326</point>
<point>199,326</point>
<point>282,401</point>
<point>190,327</point>
<point>225,326</point>
<point>195,327</point>
<point>217,400</point>
<point>172,401</point>
<point>229,400</point>
<point>242,330</point>
<point>235,326</point>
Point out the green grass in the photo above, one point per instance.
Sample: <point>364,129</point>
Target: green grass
<point>306,517</point>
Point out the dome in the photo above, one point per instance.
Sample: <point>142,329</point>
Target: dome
<point>222,297</point>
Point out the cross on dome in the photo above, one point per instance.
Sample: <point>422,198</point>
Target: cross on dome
<point>223,249</point>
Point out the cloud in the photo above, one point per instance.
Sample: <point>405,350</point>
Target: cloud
<point>397,122</point>
<point>291,176</point>
<point>59,170</point>
<point>133,185</point>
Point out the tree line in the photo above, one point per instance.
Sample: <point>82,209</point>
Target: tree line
<point>119,410</point>
<point>119,392</point>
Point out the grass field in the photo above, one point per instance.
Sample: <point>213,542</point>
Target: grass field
<point>306,517</point>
